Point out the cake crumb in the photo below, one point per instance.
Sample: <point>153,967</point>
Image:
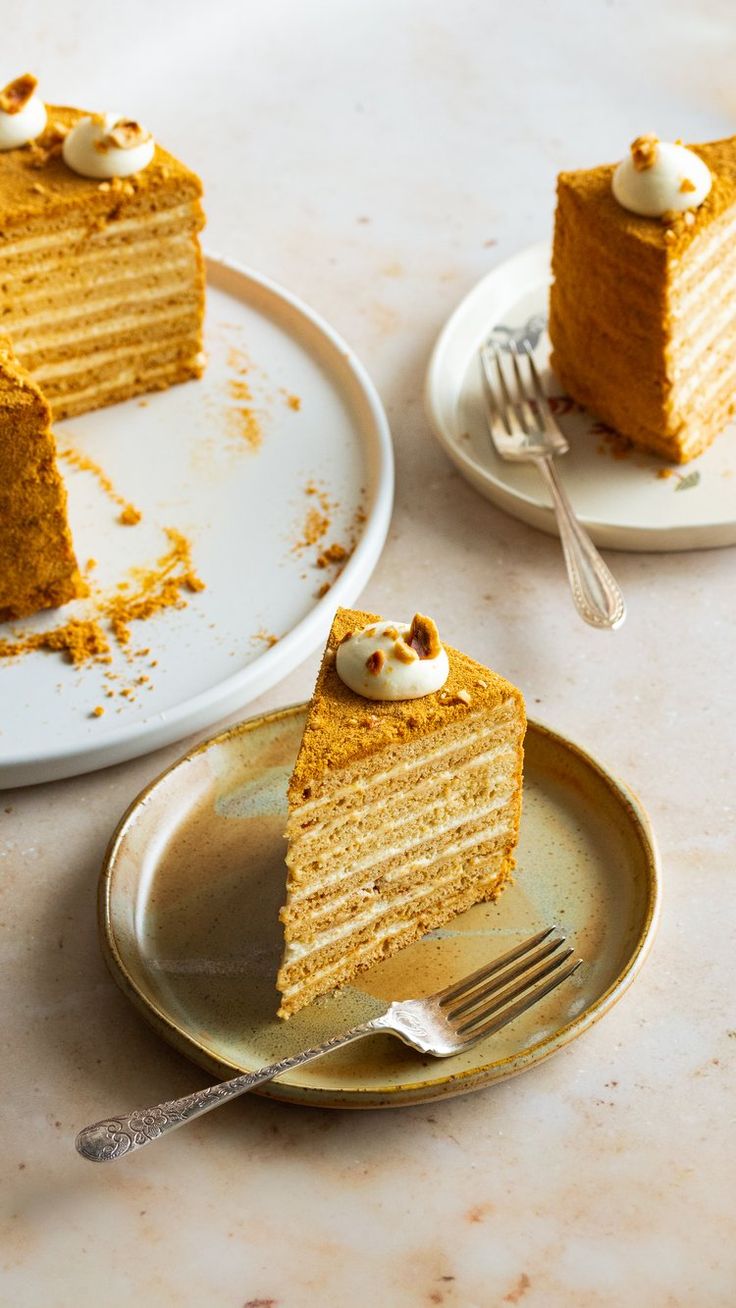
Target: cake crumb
<point>664,473</point>
<point>334,553</point>
<point>97,712</point>
<point>129,516</point>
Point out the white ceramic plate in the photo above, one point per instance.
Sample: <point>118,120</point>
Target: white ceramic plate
<point>625,502</point>
<point>183,459</point>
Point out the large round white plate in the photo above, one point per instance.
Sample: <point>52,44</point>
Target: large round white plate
<point>625,502</point>
<point>182,458</point>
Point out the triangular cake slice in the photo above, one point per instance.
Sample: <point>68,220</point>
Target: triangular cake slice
<point>642,314</point>
<point>402,813</point>
<point>38,569</point>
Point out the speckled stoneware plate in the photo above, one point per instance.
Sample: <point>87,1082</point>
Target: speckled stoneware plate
<point>631,501</point>
<point>194,877</point>
<point>281,449</point>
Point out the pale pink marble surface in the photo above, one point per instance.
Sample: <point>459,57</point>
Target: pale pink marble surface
<point>378,159</point>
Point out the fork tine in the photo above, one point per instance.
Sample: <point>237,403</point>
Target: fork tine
<point>529,412</point>
<point>547,419</point>
<point>500,980</point>
<point>502,406</point>
<point>527,1001</point>
<point>483,973</point>
<point>502,997</point>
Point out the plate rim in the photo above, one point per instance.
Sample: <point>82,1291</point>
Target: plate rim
<point>639,537</point>
<point>21,768</point>
<point>407,1093</point>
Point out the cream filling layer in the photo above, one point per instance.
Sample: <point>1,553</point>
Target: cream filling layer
<point>399,769</point>
<point>66,235</point>
<point>295,952</point>
<point>131,374</point>
<point>16,279</point>
<point>436,779</point>
<point>121,276</point>
<point>336,904</point>
<point>50,372</point>
<point>23,348</point>
<point>396,851</point>
<point>19,328</point>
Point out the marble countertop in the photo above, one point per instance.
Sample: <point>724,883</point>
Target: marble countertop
<point>378,159</point>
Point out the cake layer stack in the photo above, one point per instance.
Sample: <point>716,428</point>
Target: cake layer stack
<point>643,310</point>
<point>37,565</point>
<point>401,815</point>
<point>101,282</point>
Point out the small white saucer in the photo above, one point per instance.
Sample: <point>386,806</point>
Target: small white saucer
<point>634,502</point>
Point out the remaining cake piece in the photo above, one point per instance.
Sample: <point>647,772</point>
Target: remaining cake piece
<point>101,276</point>
<point>643,305</point>
<point>37,565</point>
<point>404,803</point>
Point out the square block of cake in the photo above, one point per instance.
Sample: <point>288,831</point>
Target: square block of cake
<point>642,311</point>
<point>404,803</point>
<point>101,277</point>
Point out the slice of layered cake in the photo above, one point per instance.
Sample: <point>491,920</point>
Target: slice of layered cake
<point>37,565</point>
<point>642,309</point>
<point>404,803</point>
<point>101,276</point>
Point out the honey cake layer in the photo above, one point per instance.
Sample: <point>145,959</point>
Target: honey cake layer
<point>468,881</point>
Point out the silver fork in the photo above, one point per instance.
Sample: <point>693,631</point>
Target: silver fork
<point>523,429</point>
<point>443,1024</point>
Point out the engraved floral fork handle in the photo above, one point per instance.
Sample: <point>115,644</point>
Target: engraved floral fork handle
<point>596,594</point>
<point>115,1136</point>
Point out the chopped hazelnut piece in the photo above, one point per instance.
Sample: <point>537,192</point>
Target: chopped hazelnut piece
<point>424,637</point>
<point>391,632</point>
<point>483,684</point>
<point>464,696</point>
<point>644,151</point>
<point>15,95</point>
<point>375,661</point>
<point>403,652</point>
<point>686,186</point>
<point>125,134</point>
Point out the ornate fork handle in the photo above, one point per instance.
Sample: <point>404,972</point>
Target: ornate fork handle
<point>104,1141</point>
<point>597,596</point>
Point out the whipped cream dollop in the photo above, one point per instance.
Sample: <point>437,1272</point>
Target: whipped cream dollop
<point>659,177</point>
<point>22,113</point>
<point>108,145</point>
<point>393,660</point>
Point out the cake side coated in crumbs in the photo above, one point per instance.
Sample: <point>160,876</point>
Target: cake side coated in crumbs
<point>38,569</point>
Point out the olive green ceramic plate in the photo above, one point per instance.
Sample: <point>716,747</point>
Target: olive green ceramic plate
<point>194,878</point>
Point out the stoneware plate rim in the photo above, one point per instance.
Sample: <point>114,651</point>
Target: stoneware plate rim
<point>445,1084</point>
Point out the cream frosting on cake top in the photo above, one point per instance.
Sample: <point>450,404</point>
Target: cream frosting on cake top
<point>22,113</point>
<point>108,145</point>
<point>660,177</point>
<point>393,660</point>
